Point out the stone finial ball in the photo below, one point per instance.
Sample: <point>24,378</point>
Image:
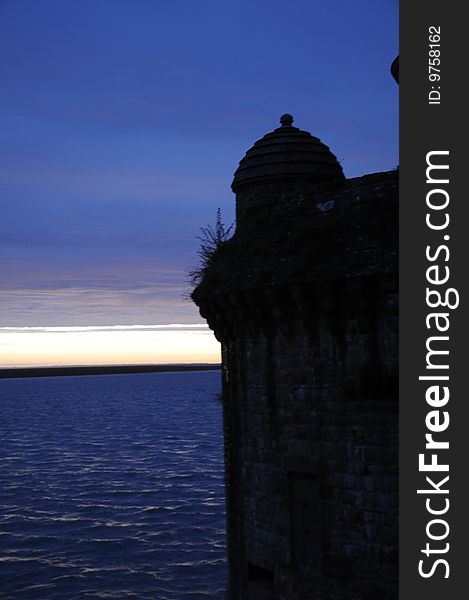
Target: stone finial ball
<point>286,120</point>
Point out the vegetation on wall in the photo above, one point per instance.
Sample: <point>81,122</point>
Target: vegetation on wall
<point>212,239</point>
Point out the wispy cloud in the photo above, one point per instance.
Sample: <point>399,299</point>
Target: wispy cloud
<point>108,328</point>
<point>118,144</point>
<point>120,295</point>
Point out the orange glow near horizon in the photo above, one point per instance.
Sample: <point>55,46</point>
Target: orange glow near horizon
<point>112,345</point>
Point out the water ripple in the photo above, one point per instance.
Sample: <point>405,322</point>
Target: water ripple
<point>112,487</point>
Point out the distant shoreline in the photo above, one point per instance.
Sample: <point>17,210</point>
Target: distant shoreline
<point>67,371</point>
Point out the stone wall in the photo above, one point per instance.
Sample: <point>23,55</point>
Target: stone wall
<point>312,458</point>
<point>277,198</point>
<point>304,301</point>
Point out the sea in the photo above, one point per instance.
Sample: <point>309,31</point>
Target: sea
<point>111,486</point>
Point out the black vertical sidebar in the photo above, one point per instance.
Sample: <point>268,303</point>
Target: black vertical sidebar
<point>434,252</point>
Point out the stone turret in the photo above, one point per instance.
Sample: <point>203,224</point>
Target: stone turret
<point>304,301</point>
<point>282,166</point>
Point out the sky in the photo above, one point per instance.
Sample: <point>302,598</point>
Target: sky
<point>121,125</point>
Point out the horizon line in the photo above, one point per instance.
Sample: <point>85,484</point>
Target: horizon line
<point>103,369</point>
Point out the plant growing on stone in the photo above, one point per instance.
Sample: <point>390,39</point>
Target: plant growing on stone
<point>211,240</point>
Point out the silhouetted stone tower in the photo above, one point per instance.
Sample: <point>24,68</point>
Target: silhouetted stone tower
<point>303,299</point>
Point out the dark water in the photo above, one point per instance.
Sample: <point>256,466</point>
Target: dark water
<point>112,487</point>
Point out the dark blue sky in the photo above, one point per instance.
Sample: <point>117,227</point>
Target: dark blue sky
<point>123,121</point>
